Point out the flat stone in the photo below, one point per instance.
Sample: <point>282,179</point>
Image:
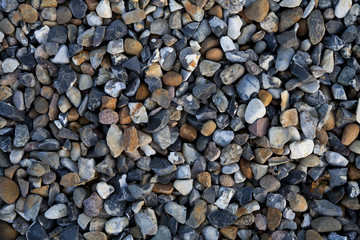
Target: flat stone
<point>326,224</point>
<point>9,190</point>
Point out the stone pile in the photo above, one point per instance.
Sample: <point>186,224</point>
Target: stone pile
<point>185,120</point>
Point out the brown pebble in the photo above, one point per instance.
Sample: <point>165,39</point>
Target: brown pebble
<point>7,231</point>
<point>70,180</point>
<point>245,168</point>
<point>91,4</point>
<point>273,216</point>
<point>311,234</point>
<point>209,43</point>
<point>172,79</point>
<point>130,139</point>
<point>298,204</point>
<point>270,183</point>
<point>350,133</point>
<point>108,102</point>
<point>257,10</point>
<point>226,180</point>
<point>302,31</point>
<point>330,122</point>
<point>42,191</point>
<point>132,47</point>
<point>216,10</point>
<point>353,173</point>
<point>229,232</point>
<point>265,97</point>
<point>108,116</point>
<point>73,115</point>
<point>10,171</point>
<point>9,190</point>
<point>205,179</point>
<point>208,128</point>
<point>322,136</point>
<point>188,132</point>
<point>41,105</point>
<point>289,118</point>
<point>163,188</point>
<point>124,115</point>
<point>214,54</point>
<point>28,13</point>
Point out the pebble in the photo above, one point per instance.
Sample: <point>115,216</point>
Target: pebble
<point>9,190</point>
<point>257,10</point>
<point>254,110</point>
<point>57,211</point>
<point>342,8</point>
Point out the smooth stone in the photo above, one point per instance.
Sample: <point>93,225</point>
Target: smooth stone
<point>254,110</point>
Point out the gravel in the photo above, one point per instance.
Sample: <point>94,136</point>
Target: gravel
<point>168,119</point>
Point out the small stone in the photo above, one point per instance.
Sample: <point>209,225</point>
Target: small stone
<point>289,118</point>
<point>278,136</point>
<point>350,133</point>
<point>184,186</point>
<point>289,17</point>
<point>147,222</point>
<point>298,204</point>
<point>342,8</point>
<point>257,10</point>
<point>9,65</point>
<point>232,73</point>
<point>86,168</point>
<point>270,23</point>
<point>28,13</point>
<point>177,211</point>
<point>93,205</point>
<point>247,87</point>
<point>270,183</point>
<point>290,3</point>
<point>133,16</point>
<point>132,47</point>
<point>103,9</point>
<point>9,190</point>
<point>78,8</point>
<point>130,139</point>
<point>108,116</point>
<point>336,159</point>
<point>301,149</point>
<point>138,113</point>
<point>326,224</point>
<point>172,78</point>
<point>254,110</point>
<point>221,218</point>
<point>316,26</point>
<point>116,225</point>
<point>273,218</point>
<point>188,132</point>
<point>104,190</point>
<point>326,208</point>
<point>57,211</point>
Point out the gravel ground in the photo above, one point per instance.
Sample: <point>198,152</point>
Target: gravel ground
<point>185,120</point>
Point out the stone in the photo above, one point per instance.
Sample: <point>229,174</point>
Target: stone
<point>234,6</point>
<point>57,211</point>
<point>301,149</point>
<point>254,110</point>
<point>257,10</point>
<point>273,218</point>
<point>247,87</point>
<point>350,133</point>
<point>93,205</point>
<point>298,204</point>
<point>9,190</point>
<point>278,136</point>
<point>342,8</point>
<point>116,225</point>
<point>28,13</point>
<point>114,140</point>
<point>133,16</point>
<point>221,218</point>
<point>326,224</point>
<point>316,26</point>
<point>289,17</point>
<point>336,159</point>
<point>147,222</point>
<point>177,211</point>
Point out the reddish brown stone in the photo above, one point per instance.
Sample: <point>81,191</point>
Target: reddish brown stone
<point>130,139</point>
<point>188,132</point>
<point>142,92</point>
<point>7,232</point>
<point>229,232</point>
<point>245,168</point>
<point>260,127</point>
<point>273,218</point>
<point>108,116</point>
<point>205,179</point>
<point>70,180</point>
<point>9,190</point>
<point>172,79</point>
<point>350,133</point>
<point>124,115</point>
<point>108,102</point>
<point>163,188</point>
